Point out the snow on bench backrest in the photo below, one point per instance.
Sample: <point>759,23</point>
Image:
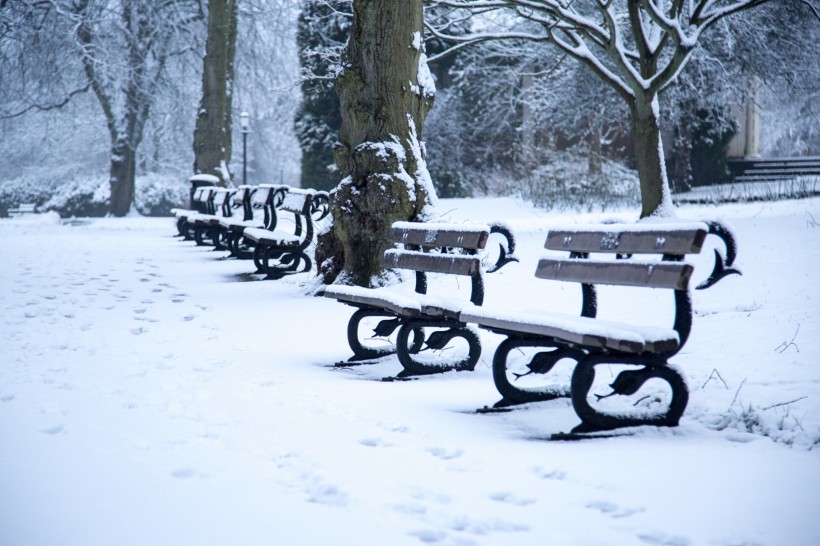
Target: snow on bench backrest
<point>297,201</point>
<point>469,236</point>
<point>643,238</point>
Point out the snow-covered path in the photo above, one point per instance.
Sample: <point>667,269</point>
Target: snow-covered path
<point>150,395</point>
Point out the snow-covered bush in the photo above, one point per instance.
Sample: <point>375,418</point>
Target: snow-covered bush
<point>72,193</point>
<point>564,181</point>
<point>79,196</point>
<point>157,194</point>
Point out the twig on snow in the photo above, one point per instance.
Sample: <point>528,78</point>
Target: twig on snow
<point>783,346</point>
<point>738,392</point>
<point>712,375</point>
<point>784,403</point>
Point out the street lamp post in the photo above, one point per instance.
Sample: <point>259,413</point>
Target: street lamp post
<point>244,123</point>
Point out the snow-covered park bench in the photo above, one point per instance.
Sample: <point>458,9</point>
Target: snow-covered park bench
<point>23,208</point>
<point>206,225</point>
<point>258,205</point>
<point>632,359</point>
<point>277,252</point>
<point>449,250</point>
<point>201,205</point>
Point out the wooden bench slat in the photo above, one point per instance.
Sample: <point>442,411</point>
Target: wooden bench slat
<point>453,264</point>
<point>632,239</point>
<point>583,331</point>
<point>439,235</point>
<point>672,275</point>
<point>401,304</point>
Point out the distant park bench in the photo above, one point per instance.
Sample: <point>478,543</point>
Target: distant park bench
<point>202,204</point>
<point>23,208</point>
<point>259,211</point>
<point>206,226</point>
<point>446,249</point>
<point>640,352</point>
<point>277,252</point>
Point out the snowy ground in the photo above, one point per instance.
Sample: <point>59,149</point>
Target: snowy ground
<point>149,395</point>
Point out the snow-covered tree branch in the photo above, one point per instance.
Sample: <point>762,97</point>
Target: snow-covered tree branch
<point>638,48</point>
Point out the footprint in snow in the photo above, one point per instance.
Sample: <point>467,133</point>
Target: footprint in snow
<point>138,331</point>
<point>509,498</point>
<point>660,539</point>
<point>374,442</point>
<point>612,509</point>
<point>324,493</point>
<point>184,473</point>
<point>57,429</point>
<point>551,474</point>
<point>430,536</point>
<point>444,454</point>
<point>7,398</point>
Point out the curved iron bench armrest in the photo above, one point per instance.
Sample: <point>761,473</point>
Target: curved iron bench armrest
<point>723,266</point>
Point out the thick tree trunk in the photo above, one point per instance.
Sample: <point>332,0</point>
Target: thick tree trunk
<point>123,172</point>
<point>212,135</point>
<point>646,137</point>
<point>385,93</point>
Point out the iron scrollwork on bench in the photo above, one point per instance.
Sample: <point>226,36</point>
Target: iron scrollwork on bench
<point>723,266</point>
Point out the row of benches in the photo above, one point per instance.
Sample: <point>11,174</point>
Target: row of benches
<point>256,232</point>
<point>436,332</point>
<point>431,322</point>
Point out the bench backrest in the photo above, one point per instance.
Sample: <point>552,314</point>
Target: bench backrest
<point>429,235</point>
<point>197,199</point>
<point>204,205</point>
<point>671,241</point>
<point>297,201</point>
<point>241,196</point>
<point>221,196</point>
<point>242,199</point>
<point>265,197</point>
<point>428,249</point>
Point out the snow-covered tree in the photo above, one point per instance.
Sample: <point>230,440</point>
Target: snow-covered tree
<point>124,49</point>
<point>385,92</point>
<point>212,136</point>
<point>637,47</point>
<point>324,26</point>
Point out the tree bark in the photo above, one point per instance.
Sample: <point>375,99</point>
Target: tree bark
<point>682,164</point>
<point>646,137</point>
<point>123,174</point>
<point>595,165</point>
<point>212,135</point>
<point>385,93</point>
